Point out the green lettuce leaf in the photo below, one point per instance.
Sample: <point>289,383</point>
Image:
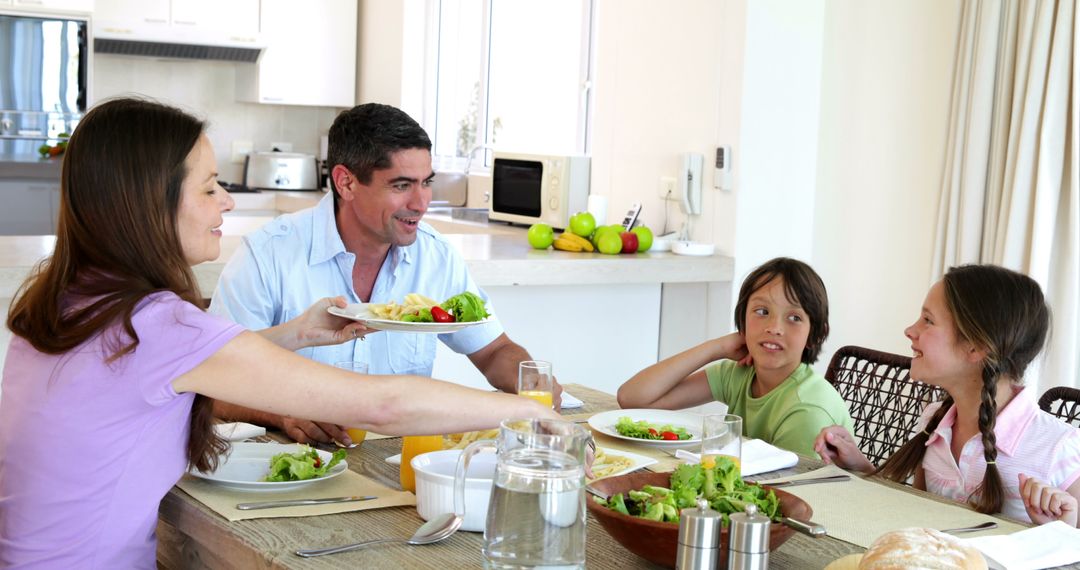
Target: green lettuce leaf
<point>466,307</point>
<point>301,466</point>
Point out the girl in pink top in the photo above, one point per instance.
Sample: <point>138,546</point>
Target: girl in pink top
<point>987,443</point>
<point>107,381</point>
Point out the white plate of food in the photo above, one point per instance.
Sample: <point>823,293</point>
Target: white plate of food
<point>359,312</point>
<point>615,462</point>
<point>685,425</point>
<point>247,464</point>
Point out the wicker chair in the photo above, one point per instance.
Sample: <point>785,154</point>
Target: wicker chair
<point>884,402</point>
<point>1063,402</point>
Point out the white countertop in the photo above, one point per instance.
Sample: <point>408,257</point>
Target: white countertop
<point>495,259</point>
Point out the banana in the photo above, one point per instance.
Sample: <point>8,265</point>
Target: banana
<point>574,238</point>
<point>566,244</point>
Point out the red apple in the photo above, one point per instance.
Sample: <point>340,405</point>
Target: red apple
<point>629,242</point>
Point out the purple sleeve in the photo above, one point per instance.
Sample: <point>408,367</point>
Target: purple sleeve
<point>174,337</point>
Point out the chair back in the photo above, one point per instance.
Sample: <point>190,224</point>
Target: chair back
<point>884,402</point>
<point>1063,402</point>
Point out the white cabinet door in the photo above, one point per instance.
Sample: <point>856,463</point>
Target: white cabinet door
<point>134,18</point>
<point>29,207</point>
<point>238,17</point>
<point>310,58</point>
<point>81,6</point>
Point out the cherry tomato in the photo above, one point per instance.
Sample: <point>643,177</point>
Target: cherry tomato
<point>318,462</point>
<point>654,433</point>
<point>440,315</point>
<point>669,435</point>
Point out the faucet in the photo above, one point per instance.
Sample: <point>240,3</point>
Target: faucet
<point>472,151</point>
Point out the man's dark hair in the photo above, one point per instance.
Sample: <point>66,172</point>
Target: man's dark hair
<point>802,286</point>
<point>363,138</point>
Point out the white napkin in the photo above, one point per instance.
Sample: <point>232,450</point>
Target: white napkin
<point>238,431</point>
<point>1044,546</point>
<point>569,402</point>
<point>757,457</point>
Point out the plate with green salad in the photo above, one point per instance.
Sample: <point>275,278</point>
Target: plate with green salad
<point>250,466</point>
<point>663,428</point>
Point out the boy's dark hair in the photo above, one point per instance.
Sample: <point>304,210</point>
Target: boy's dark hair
<point>363,138</point>
<point>802,286</point>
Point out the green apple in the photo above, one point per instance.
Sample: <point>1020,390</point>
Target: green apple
<point>541,236</point>
<point>605,230</point>
<point>582,224</point>
<point>644,238</point>
<point>609,242</point>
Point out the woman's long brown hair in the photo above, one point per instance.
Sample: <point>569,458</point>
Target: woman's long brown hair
<point>117,241</point>
<point>1004,313</point>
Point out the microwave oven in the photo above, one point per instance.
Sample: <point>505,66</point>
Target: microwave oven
<point>534,188</point>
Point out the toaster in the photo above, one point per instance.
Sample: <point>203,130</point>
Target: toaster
<point>281,171</point>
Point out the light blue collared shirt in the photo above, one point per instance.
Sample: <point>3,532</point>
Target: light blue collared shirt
<point>281,269</point>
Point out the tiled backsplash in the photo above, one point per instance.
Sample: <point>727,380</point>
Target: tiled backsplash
<point>208,90</point>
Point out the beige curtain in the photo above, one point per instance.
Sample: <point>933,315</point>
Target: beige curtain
<point>1009,192</point>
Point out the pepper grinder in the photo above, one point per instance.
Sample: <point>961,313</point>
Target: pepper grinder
<point>699,537</point>
<point>748,548</point>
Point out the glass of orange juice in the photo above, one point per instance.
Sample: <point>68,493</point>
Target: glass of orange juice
<point>411,446</point>
<point>721,437</point>
<point>356,435</point>
<point>535,381</point>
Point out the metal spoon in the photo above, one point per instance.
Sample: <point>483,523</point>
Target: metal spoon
<point>434,530</point>
<point>984,526</point>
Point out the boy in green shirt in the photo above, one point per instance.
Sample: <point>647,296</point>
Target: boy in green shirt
<point>764,374</point>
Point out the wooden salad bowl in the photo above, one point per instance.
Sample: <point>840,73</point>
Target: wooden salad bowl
<point>657,542</point>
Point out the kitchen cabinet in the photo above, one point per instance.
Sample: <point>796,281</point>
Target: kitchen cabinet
<point>30,207</point>
<point>48,6</point>
<point>310,55</point>
<point>233,22</point>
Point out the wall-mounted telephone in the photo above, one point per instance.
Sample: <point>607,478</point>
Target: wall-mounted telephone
<point>690,182</point>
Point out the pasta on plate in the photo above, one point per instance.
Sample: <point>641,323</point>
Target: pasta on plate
<point>392,311</point>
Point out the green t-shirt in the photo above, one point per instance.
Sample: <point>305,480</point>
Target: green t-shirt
<point>790,416</point>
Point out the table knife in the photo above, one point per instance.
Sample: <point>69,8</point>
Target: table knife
<point>829,479</point>
<point>300,502</point>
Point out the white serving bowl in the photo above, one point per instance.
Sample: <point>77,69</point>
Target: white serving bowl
<point>435,486</point>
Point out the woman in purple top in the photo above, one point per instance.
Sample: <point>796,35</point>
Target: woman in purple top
<point>108,380</point>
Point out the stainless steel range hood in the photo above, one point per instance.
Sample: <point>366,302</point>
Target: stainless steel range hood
<point>174,50</point>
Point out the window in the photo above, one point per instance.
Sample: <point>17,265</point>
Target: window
<point>511,75</point>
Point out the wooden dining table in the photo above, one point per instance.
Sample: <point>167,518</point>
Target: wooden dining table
<point>190,535</point>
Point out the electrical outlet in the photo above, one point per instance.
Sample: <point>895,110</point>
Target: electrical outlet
<point>667,188</point>
<point>240,149</point>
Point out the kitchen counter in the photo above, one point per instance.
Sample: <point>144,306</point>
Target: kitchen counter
<point>30,166</point>
<point>599,318</point>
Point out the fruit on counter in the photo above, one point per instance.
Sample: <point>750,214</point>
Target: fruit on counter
<point>50,150</point>
<point>541,236</point>
<point>582,224</point>
<point>629,242</point>
<point>567,241</point>
<point>644,238</point>
<point>609,242</point>
<point>616,229</point>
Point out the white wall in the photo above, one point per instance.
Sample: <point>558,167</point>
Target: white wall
<point>886,85</point>
<point>208,90</point>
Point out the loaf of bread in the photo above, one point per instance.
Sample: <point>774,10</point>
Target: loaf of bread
<point>920,548</point>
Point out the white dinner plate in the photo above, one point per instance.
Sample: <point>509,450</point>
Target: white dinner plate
<point>359,312</point>
<point>636,461</point>
<point>604,423</point>
<point>248,463</point>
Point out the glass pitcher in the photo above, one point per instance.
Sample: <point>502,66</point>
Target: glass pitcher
<point>536,515</point>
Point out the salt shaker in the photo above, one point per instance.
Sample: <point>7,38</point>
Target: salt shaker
<point>699,537</point>
<point>748,548</point>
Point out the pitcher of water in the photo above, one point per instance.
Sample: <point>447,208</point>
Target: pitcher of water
<point>536,515</point>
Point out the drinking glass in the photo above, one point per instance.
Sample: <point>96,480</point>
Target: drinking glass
<point>357,435</point>
<point>722,437</point>
<point>411,446</point>
<point>535,381</point>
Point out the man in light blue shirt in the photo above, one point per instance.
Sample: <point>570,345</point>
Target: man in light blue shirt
<point>366,242</point>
